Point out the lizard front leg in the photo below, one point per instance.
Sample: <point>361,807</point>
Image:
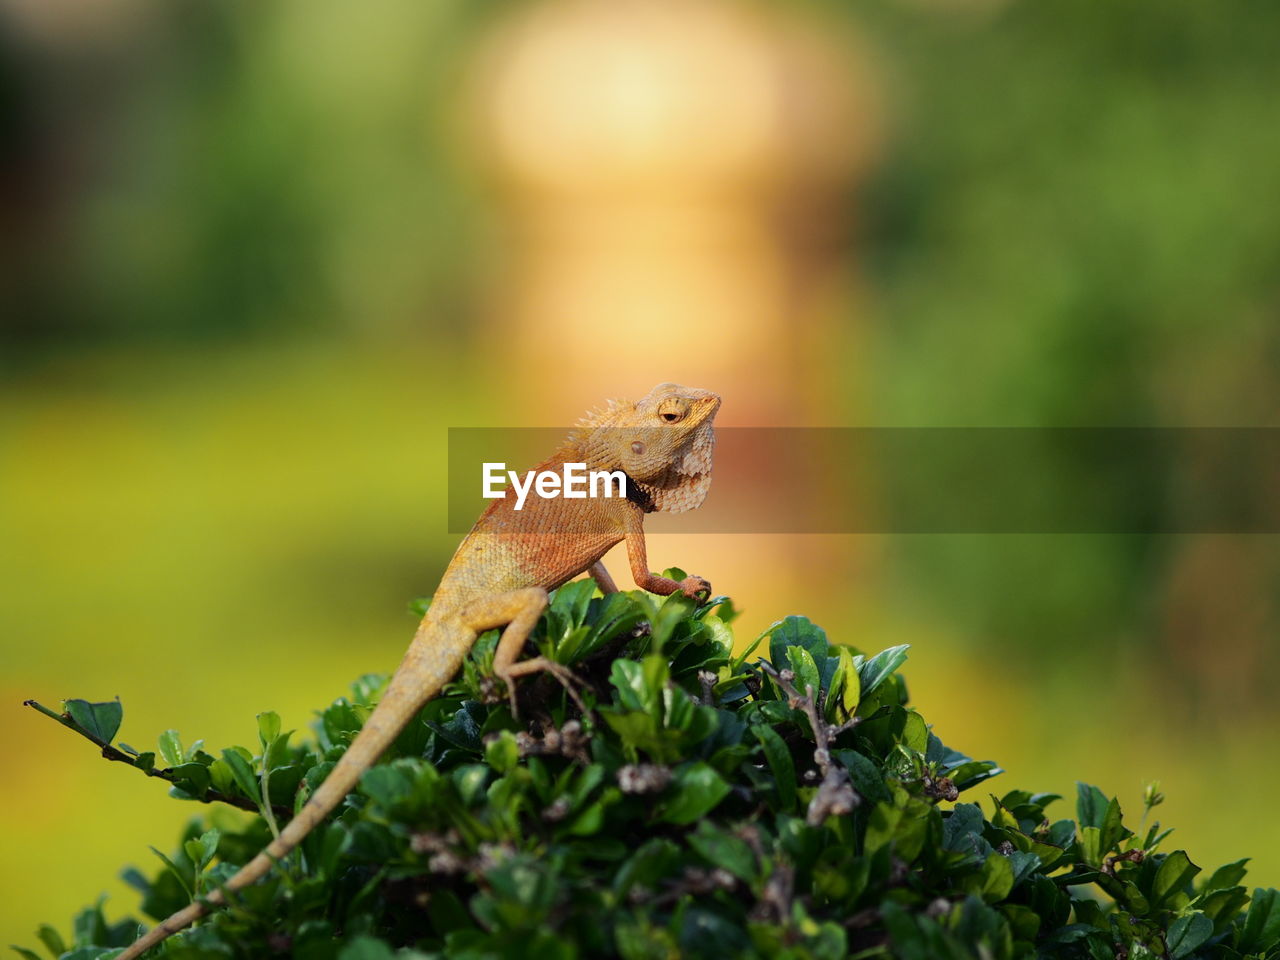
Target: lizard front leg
<point>648,580</point>
<point>518,611</point>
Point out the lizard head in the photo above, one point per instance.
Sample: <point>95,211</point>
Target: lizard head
<point>663,442</point>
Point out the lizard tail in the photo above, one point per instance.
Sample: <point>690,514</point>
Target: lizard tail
<point>427,666</point>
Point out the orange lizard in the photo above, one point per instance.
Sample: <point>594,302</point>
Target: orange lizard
<point>500,575</point>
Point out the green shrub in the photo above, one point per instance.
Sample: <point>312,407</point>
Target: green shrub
<point>707,805</point>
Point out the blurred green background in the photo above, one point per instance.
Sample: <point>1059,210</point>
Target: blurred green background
<point>247,279</point>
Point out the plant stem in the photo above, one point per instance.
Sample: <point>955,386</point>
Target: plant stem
<point>119,756</point>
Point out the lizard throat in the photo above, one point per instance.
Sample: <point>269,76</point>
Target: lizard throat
<point>637,495</point>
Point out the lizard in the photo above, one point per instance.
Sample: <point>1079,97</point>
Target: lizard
<point>500,576</point>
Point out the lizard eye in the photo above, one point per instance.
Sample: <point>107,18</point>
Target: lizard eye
<point>673,410</point>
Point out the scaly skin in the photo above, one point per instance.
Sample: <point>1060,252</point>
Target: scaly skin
<point>500,576</point>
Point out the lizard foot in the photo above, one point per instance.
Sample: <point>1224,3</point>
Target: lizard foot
<point>541,665</point>
<point>695,588</point>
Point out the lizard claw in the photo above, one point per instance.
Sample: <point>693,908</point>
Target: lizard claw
<point>563,674</point>
<point>695,588</point>
<point>569,680</point>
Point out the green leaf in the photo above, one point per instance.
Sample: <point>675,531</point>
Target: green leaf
<point>100,720</point>
<point>1091,846</point>
<point>51,939</point>
<point>722,849</point>
<point>569,649</point>
<point>502,753</point>
<point>1091,805</point>
<point>993,882</point>
<point>846,687</point>
<point>171,748</point>
<point>720,633</point>
<point>1225,877</point>
<point>268,728</point>
<point>191,778</point>
<point>795,632</point>
<point>1023,921</point>
<point>962,831</point>
<point>876,670</point>
<point>588,822</point>
<point>904,826</point>
<point>780,763</point>
<point>1101,822</point>
<point>736,664</point>
<point>1261,929</point>
<point>366,948</point>
<point>470,781</point>
<point>914,734</point>
<point>202,849</point>
<point>628,678</point>
<point>642,940</point>
<point>1173,877</point>
<point>462,729</point>
<point>1186,933</point>
<point>176,872</point>
<point>608,619</point>
<point>1223,906</point>
<point>572,599</point>
<point>697,789</point>
<point>675,609</point>
<point>868,779</point>
<point>1025,863</point>
<point>386,784</point>
<point>808,682</point>
<point>242,770</point>
<point>656,673</point>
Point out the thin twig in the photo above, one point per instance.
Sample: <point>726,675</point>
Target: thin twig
<point>835,794</point>
<point>166,774</point>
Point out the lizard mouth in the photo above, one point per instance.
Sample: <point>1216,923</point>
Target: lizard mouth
<point>704,408</point>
